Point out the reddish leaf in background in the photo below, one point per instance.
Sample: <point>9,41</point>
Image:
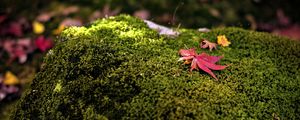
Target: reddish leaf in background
<point>292,31</point>
<point>206,44</point>
<point>203,61</point>
<point>15,29</point>
<point>18,49</point>
<point>43,44</point>
<point>142,14</point>
<point>71,22</point>
<point>70,10</point>
<point>2,18</point>
<point>5,90</point>
<point>282,18</point>
<point>45,16</point>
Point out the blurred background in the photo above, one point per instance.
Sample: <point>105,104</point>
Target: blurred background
<point>28,28</point>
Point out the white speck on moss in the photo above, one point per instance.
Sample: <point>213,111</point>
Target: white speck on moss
<point>50,52</point>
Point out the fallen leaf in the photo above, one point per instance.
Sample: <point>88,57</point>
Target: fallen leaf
<point>70,10</point>
<point>250,18</point>
<point>106,11</point>
<point>204,30</point>
<point>188,53</point>
<point>206,44</point>
<point>223,41</point>
<point>15,29</point>
<point>71,22</point>
<point>18,49</point>
<point>9,89</point>
<point>282,18</point>
<point>5,90</point>
<point>166,18</point>
<point>142,14</point>
<point>211,59</point>
<point>44,17</point>
<point>58,30</point>
<point>292,31</point>
<point>161,29</point>
<point>2,18</point>
<point>24,23</point>
<point>10,79</point>
<point>2,95</point>
<point>43,44</point>
<point>95,15</point>
<point>214,12</point>
<point>203,61</point>
<point>38,28</point>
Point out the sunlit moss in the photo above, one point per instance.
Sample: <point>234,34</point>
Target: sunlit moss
<point>58,87</point>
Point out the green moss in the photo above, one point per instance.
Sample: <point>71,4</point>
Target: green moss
<point>118,68</point>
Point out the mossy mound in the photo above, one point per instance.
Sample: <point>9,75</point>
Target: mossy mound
<point>118,68</point>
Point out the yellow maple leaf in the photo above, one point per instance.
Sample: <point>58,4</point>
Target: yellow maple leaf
<point>223,41</point>
<point>38,28</point>
<point>59,29</point>
<point>10,79</point>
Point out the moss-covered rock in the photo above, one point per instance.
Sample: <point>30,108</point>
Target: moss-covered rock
<point>118,68</point>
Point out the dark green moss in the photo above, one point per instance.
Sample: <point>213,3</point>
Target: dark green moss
<point>118,68</point>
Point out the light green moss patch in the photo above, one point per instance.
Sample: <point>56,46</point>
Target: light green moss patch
<point>118,68</point>
<point>58,87</point>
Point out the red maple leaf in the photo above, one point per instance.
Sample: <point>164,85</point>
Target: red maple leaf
<point>202,61</point>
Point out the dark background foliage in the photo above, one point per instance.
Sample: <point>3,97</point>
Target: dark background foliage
<point>189,13</point>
